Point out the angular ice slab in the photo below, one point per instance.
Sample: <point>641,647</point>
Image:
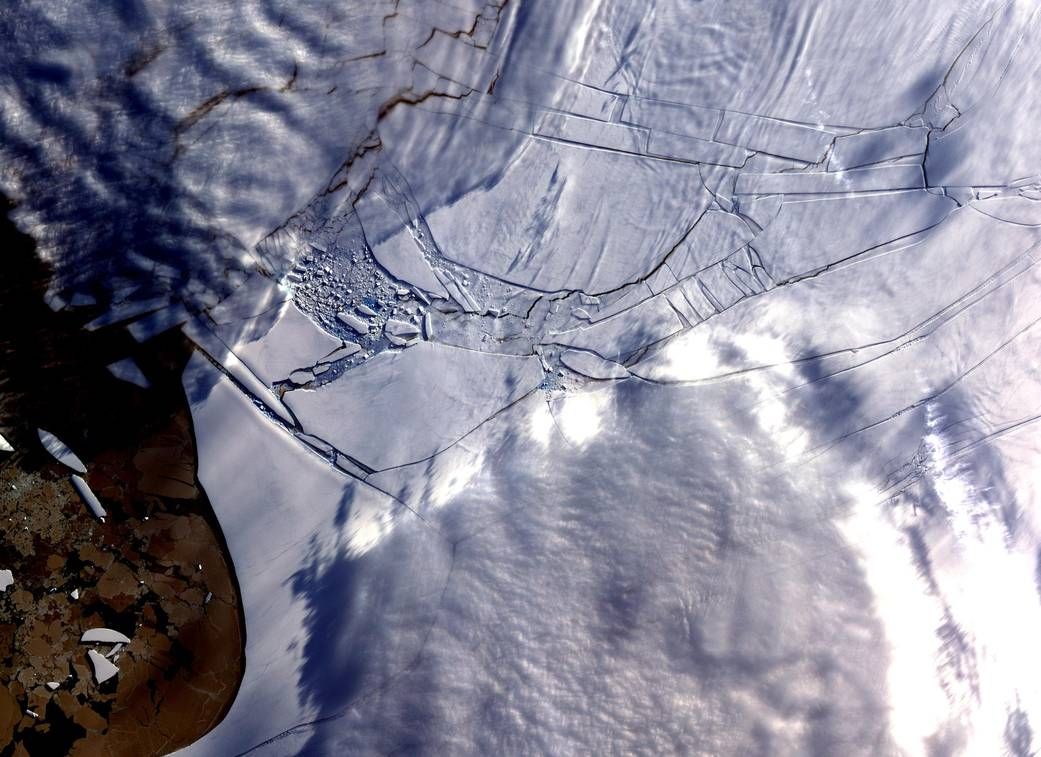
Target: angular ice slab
<point>103,669</point>
<point>103,636</point>
<point>89,498</point>
<point>59,451</point>
<point>129,371</point>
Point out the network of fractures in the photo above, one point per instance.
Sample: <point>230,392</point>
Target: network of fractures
<point>580,377</point>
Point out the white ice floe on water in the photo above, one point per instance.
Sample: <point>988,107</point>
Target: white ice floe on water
<point>128,370</point>
<point>104,636</point>
<point>89,498</point>
<point>103,669</point>
<point>60,452</point>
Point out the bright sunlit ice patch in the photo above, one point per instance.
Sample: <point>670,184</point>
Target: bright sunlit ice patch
<point>581,416</point>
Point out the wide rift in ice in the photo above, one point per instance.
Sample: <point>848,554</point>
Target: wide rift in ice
<point>590,377</point>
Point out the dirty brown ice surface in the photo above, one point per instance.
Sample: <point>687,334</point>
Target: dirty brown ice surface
<point>580,377</point>
<point>155,570</point>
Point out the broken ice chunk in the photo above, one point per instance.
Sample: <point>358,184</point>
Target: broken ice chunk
<point>114,652</point>
<point>5,446</point>
<point>367,311</point>
<point>60,452</point>
<point>88,497</point>
<point>6,579</point>
<point>301,377</point>
<point>103,669</point>
<point>81,299</point>
<point>127,370</point>
<point>75,594</point>
<point>340,353</point>
<point>53,685</point>
<point>593,366</point>
<point>360,325</point>
<point>156,323</point>
<point>401,332</point>
<point>103,636</point>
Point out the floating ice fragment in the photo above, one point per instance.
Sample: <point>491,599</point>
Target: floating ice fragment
<point>366,310</point>
<point>301,377</point>
<point>80,299</point>
<point>127,370</point>
<point>116,649</point>
<point>6,579</point>
<point>89,498</point>
<point>60,452</point>
<point>53,685</point>
<point>103,636</point>
<point>103,669</point>
<point>75,594</point>
<point>401,332</point>
<point>5,446</point>
<point>350,319</point>
<point>339,353</point>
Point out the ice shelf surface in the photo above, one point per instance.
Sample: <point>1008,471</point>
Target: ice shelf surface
<point>579,377</point>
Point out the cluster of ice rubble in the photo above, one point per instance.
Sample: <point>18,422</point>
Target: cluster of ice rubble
<point>582,376</point>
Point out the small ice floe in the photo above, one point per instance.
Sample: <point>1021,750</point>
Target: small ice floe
<point>82,300</point>
<point>127,370</point>
<point>339,353</point>
<point>401,333</point>
<point>114,652</point>
<point>75,594</point>
<point>103,669</point>
<point>53,685</point>
<point>366,310</point>
<point>60,451</point>
<point>5,446</point>
<point>32,714</point>
<point>89,498</point>
<point>6,579</point>
<point>360,325</point>
<point>103,636</point>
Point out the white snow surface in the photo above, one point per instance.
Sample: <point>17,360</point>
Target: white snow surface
<point>720,434</point>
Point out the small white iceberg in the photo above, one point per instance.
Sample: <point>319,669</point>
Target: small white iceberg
<point>103,636</point>
<point>127,370</point>
<point>60,451</point>
<point>5,446</point>
<point>103,669</point>
<point>6,579</point>
<point>88,496</point>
